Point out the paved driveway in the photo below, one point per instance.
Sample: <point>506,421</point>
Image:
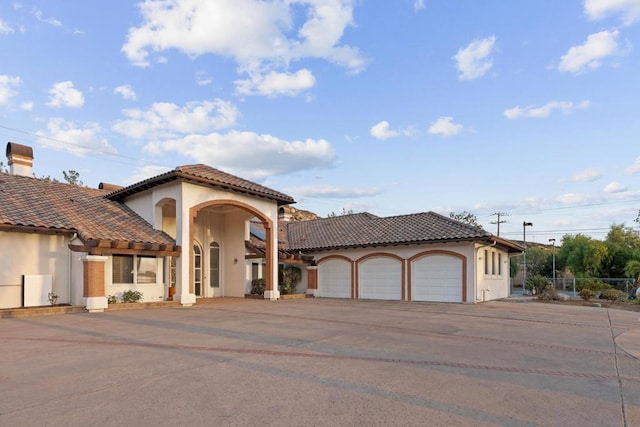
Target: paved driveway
<point>322,362</point>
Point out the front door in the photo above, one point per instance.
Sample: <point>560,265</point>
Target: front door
<point>197,269</point>
<point>214,270</point>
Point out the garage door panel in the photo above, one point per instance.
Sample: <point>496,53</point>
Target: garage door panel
<point>380,278</point>
<point>334,279</point>
<point>437,278</point>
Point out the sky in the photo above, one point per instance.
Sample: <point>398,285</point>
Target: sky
<point>527,108</point>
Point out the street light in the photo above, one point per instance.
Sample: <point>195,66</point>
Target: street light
<point>553,254</point>
<point>525,224</point>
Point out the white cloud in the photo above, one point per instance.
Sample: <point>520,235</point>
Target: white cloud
<point>8,85</point>
<point>445,126</point>
<point>418,5</point>
<point>274,84</point>
<point>628,10</point>
<point>144,172</point>
<point>474,60</point>
<point>634,169</point>
<point>261,36</point>
<point>591,53</point>
<point>249,154</point>
<point>615,187</point>
<point>330,191</point>
<point>203,78</point>
<point>63,94</point>
<point>166,120</point>
<point>26,106</point>
<point>587,175</point>
<point>381,131</point>
<point>67,136</point>
<point>37,13</point>
<point>126,91</point>
<point>566,107</point>
<point>5,27</point>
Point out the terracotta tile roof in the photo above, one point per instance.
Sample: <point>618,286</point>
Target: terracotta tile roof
<point>365,229</point>
<point>53,206</point>
<point>204,175</point>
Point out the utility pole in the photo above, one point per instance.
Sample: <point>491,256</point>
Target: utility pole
<point>499,214</point>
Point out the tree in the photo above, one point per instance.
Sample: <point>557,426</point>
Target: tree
<point>344,212</point>
<point>632,269</point>
<point>582,255</point>
<point>623,245</point>
<point>465,217</point>
<point>72,177</point>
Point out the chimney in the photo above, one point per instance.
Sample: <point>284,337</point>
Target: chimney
<point>20,159</point>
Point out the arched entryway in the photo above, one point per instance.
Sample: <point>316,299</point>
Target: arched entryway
<point>220,228</point>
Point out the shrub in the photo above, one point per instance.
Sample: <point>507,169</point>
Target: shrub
<point>291,275</point>
<point>613,295</point>
<point>257,286</point>
<point>111,299</point>
<point>587,294</point>
<point>536,284</point>
<point>591,284</point>
<point>549,293</point>
<point>131,296</point>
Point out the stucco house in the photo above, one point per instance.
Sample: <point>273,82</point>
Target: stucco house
<point>196,231</point>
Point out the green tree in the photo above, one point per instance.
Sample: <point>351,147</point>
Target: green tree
<point>632,269</point>
<point>582,255</point>
<point>72,177</point>
<point>344,212</point>
<point>465,217</point>
<point>623,245</point>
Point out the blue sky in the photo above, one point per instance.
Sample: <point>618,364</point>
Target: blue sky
<point>530,108</point>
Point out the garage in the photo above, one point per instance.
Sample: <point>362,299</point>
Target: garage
<point>334,279</point>
<point>437,278</point>
<point>380,278</point>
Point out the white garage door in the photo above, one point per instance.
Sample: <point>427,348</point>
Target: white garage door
<point>380,278</point>
<point>334,279</point>
<point>437,278</point>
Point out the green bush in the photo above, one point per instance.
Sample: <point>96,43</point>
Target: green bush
<point>549,293</point>
<point>131,296</point>
<point>291,275</point>
<point>111,299</point>
<point>613,295</point>
<point>536,284</point>
<point>587,294</point>
<point>591,284</point>
<point>257,286</point>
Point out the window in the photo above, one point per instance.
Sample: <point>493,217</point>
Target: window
<point>255,271</point>
<point>486,262</point>
<point>493,263</point>
<point>122,270</point>
<point>214,265</point>
<point>146,269</point>
<point>499,264</point>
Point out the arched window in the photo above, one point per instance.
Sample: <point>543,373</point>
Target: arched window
<point>197,269</point>
<point>214,265</point>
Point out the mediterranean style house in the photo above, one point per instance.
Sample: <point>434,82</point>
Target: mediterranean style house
<point>196,231</point>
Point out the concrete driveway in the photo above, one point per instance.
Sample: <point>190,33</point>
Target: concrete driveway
<point>323,362</point>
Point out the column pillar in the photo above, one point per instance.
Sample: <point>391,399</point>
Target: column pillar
<point>271,244</point>
<point>94,283</point>
<point>312,280</point>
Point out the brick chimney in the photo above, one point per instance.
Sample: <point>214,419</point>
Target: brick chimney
<point>20,159</point>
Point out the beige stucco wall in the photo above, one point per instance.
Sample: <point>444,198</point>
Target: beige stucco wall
<point>36,254</point>
<point>491,286</point>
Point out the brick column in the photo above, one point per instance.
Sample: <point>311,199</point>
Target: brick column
<point>312,280</point>
<point>94,282</point>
